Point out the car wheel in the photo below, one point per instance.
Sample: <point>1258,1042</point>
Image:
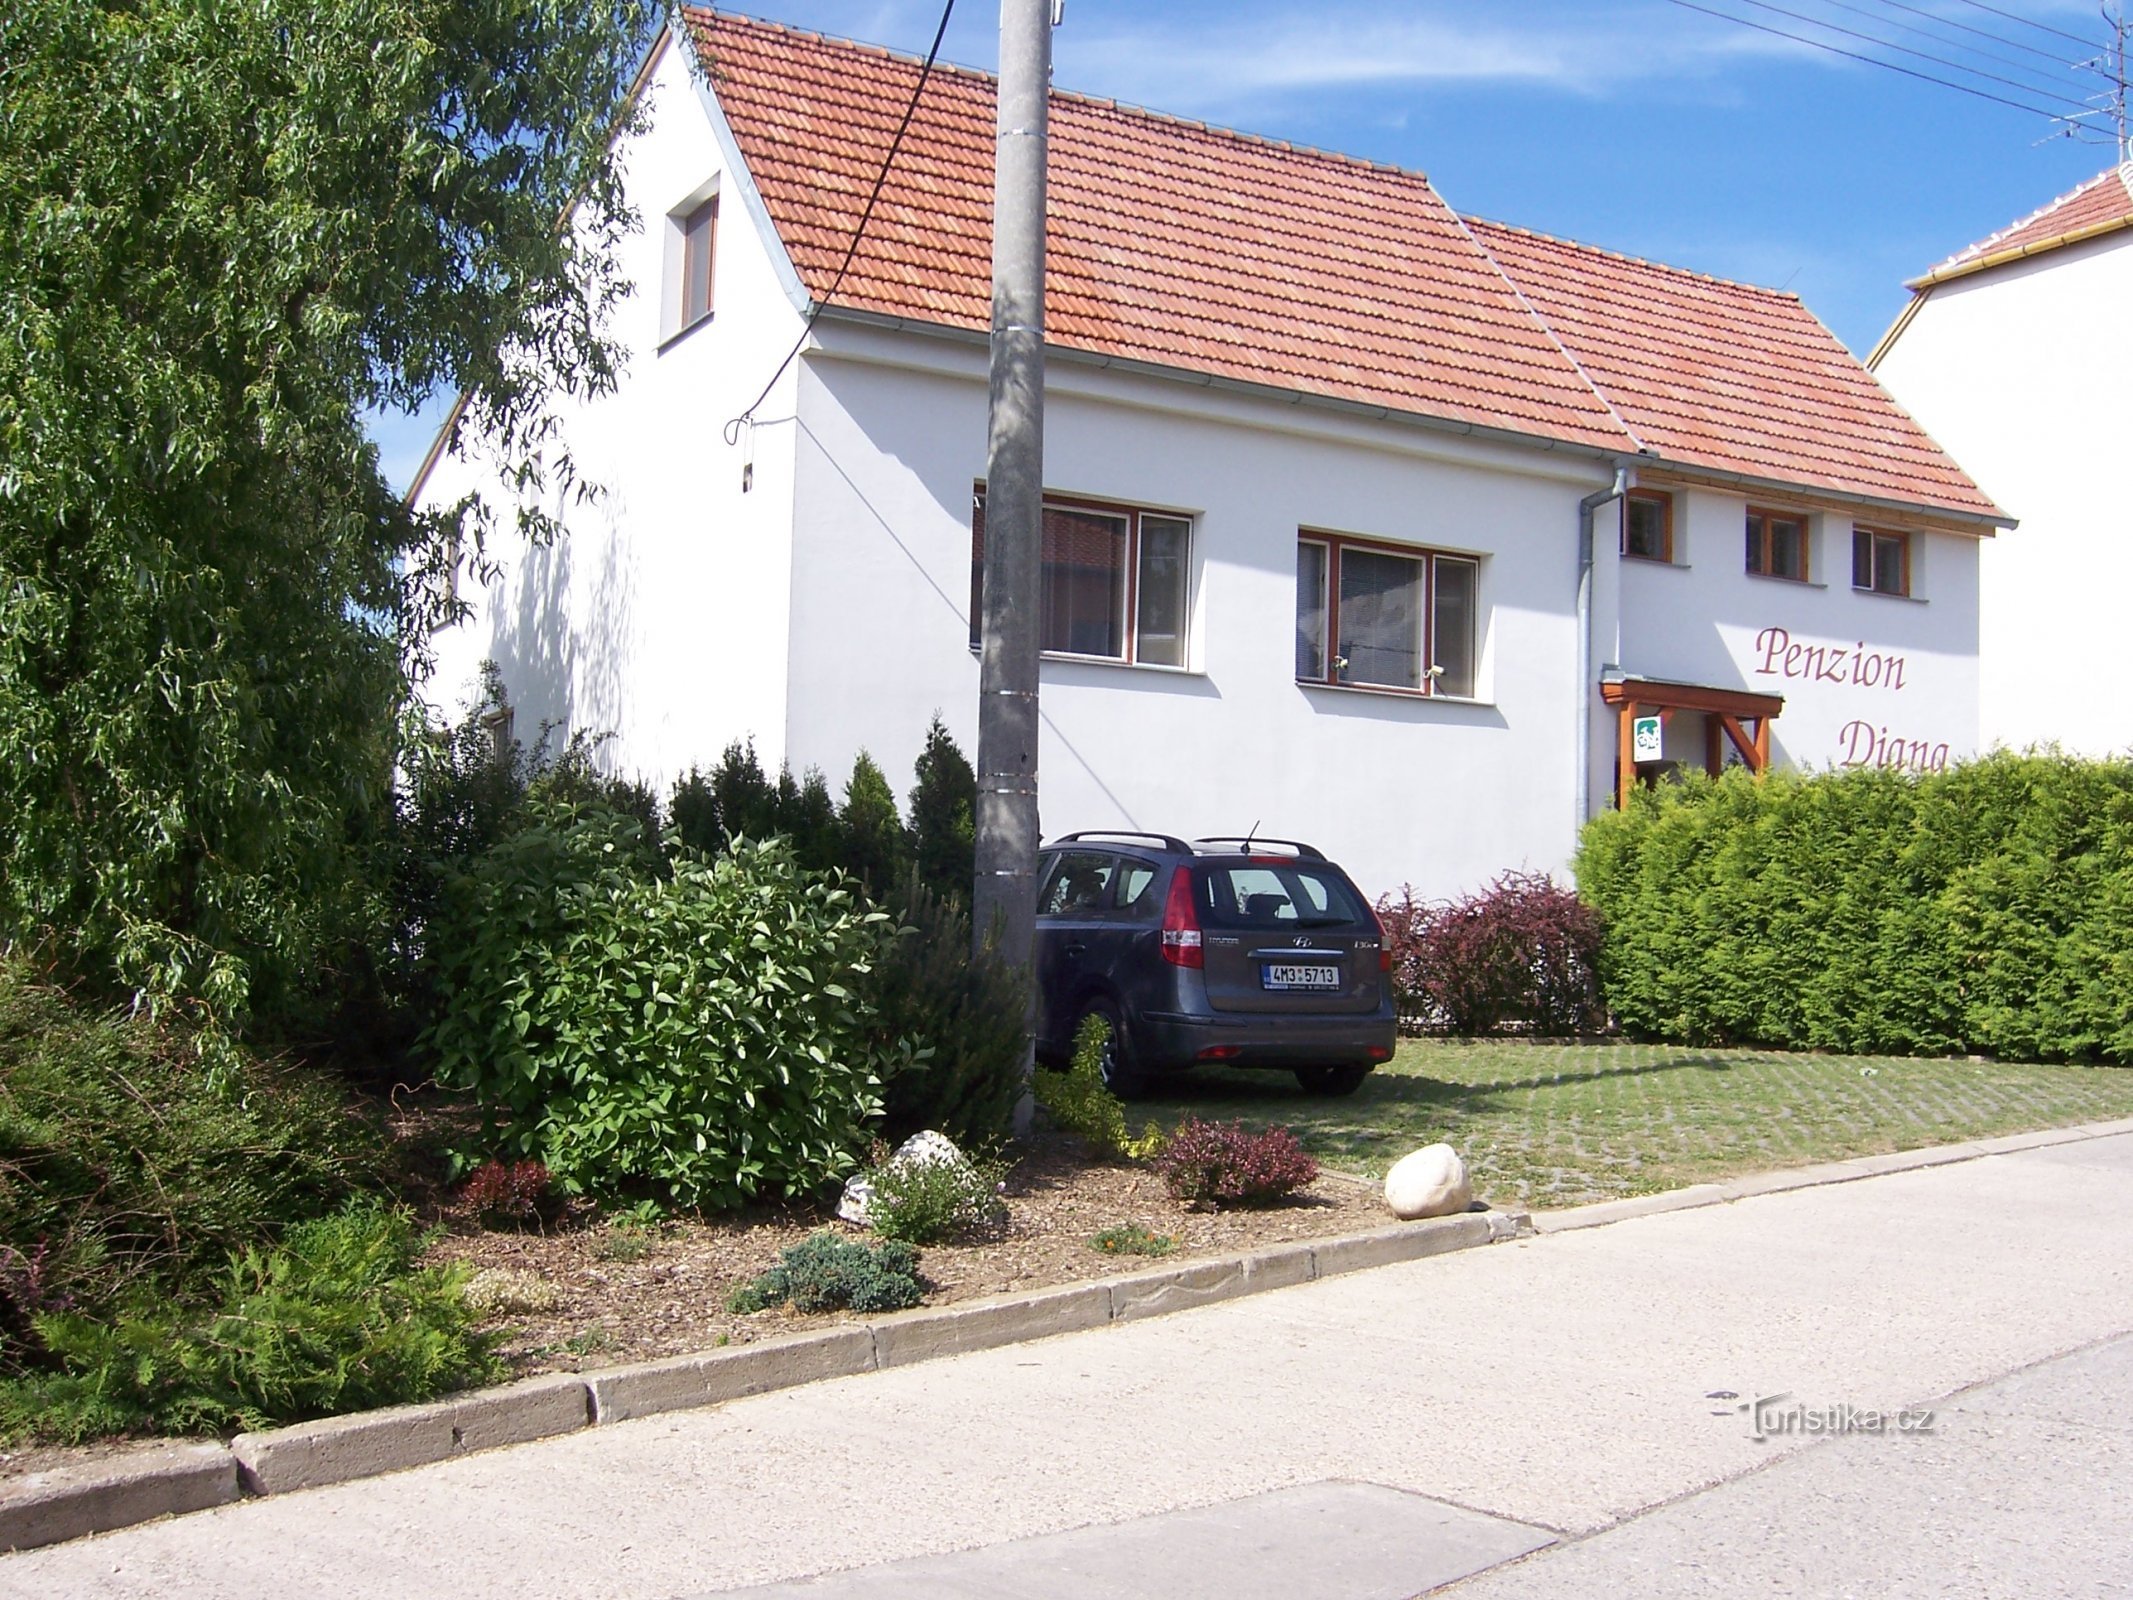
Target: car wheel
<point>1115,1065</point>
<point>1331,1080</point>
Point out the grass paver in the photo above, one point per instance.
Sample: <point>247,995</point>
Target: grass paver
<point>1547,1125</point>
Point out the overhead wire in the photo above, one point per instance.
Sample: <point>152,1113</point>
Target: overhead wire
<point>1874,61</point>
<point>732,431</point>
<point>2029,22</point>
<point>1985,33</point>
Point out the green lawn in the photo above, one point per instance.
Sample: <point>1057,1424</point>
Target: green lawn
<point>1560,1125</point>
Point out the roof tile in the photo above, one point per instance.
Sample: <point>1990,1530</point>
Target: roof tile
<point>2105,199</point>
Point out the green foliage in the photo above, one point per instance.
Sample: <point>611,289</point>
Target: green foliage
<point>875,847</point>
<point>707,1033</point>
<point>1982,909</point>
<point>943,815</point>
<point>127,1169</point>
<point>735,800</point>
<point>224,233</point>
<point>968,1013</point>
<point>1131,1239</point>
<point>336,1317</point>
<point>922,1200</point>
<point>825,1273</point>
<point>1077,1101</point>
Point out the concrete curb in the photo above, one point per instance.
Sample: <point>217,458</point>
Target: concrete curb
<point>1849,1171</point>
<point>45,1508</point>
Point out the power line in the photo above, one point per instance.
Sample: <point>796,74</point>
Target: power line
<point>1985,33</point>
<point>733,428</point>
<point>1922,55</point>
<point>1873,61</point>
<point>1953,44</point>
<point>2028,22</point>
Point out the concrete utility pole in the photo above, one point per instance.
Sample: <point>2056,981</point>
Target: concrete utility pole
<point>1004,897</point>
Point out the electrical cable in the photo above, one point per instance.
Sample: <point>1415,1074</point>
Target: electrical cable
<point>1922,55</point>
<point>1984,33</point>
<point>733,428</point>
<point>2030,22</point>
<point>1956,44</point>
<point>1873,61</point>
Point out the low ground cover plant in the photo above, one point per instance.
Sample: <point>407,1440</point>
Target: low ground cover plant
<point>1077,1101</point>
<point>1227,1164</point>
<point>1979,910</point>
<point>825,1273</point>
<point>1523,953</point>
<point>921,1199</point>
<point>1132,1239</point>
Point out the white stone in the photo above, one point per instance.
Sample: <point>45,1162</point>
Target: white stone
<point>857,1203</point>
<point>1430,1183</point>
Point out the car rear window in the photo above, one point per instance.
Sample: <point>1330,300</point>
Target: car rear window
<point>1278,894</point>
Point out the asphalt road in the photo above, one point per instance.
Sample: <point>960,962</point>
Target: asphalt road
<point>1575,1396</point>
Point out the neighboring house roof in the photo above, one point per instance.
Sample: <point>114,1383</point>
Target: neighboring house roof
<point>1188,247</point>
<point>1714,374</point>
<point>2102,205</point>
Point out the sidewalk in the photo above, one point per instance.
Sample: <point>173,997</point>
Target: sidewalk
<point>1562,1383</point>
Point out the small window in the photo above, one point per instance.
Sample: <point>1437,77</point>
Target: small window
<point>1777,545</point>
<point>1117,583</point>
<point>1881,561</point>
<point>1136,888</point>
<point>1648,526</point>
<point>1280,895</point>
<point>1378,618</point>
<point>690,260</point>
<point>1079,885</point>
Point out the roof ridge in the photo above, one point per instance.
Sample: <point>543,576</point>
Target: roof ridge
<point>2121,170</point>
<point>1635,261</point>
<point>1100,102</point>
<point>1547,327</point>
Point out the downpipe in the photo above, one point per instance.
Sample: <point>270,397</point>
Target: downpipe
<point>1588,509</point>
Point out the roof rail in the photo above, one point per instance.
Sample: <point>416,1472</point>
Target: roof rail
<point>1167,841</point>
<point>1252,841</point>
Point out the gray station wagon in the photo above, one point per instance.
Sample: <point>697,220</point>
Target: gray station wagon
<point>1238,952</point>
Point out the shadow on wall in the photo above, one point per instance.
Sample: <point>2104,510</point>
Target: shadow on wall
<point>564,637</point>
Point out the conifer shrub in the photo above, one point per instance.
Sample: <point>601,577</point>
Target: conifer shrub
<point>1982,909</point>
<point>825,1273</point>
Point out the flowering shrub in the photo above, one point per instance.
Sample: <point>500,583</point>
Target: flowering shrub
<point>507,1193</point>
<point>1226,1164</point>
<point>923,1199</point>
<point>1521,953</point>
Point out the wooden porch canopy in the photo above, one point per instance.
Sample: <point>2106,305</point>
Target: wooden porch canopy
<point>1733,715</point>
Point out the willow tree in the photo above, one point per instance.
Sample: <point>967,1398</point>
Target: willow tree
<point>228,227</point>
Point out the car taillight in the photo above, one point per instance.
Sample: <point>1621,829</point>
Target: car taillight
<point>1181,923</point>
<point>1384,944</point>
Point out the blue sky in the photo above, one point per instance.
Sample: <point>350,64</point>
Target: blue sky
<point>1639,125</point>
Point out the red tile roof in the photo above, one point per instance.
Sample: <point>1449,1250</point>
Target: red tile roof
<point>1723,375</point>
<point>1191,247</point>
<point>2104,202</point>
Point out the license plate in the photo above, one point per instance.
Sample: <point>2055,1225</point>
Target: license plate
<point>1300,976</point>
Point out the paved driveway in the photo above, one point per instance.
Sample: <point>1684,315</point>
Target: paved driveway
<point>1564,1384</point>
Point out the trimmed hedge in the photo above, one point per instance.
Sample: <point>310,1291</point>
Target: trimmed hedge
<point>1984,909</point>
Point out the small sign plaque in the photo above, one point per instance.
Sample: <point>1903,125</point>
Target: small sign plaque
<point>1647,739</point>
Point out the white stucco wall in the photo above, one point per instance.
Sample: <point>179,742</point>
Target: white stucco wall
<point>1441,794</point>
<point>661,617</point>
<point>1868,679</point>
<point>2021,372</point>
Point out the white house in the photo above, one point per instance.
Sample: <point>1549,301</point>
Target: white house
<point>1371,524</point>
<point>2016,352</point>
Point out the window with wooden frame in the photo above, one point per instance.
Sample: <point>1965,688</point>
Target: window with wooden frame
<point>1648,525</point>
<point>1117,583</point>
<point>699,237</point>
<point>1881,562</point>
<point>1385,616</point>
<point>1777,544</point>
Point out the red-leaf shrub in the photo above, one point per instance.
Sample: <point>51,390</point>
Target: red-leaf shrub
<point>1226,1164</point>
<point>1522,953</point>
<point>509,1193</point>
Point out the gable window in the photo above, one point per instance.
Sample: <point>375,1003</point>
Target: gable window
<point>1881,561</point>
<point>1385,617</point>
<point>699,231</point>
<point>1648,525</point>
<point>1117,582</point>
<point>1777,544</point>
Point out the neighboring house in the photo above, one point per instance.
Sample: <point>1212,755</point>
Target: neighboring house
<point>2015,353</point>
<point>1320,455</point>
